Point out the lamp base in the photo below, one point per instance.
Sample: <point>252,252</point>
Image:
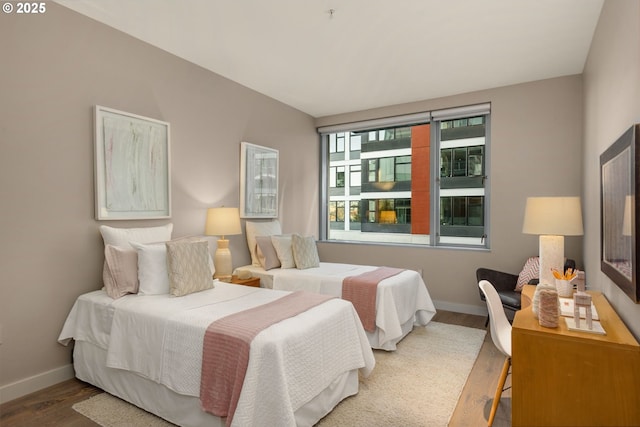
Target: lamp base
<point>551,250</point>
<point>222,261</point>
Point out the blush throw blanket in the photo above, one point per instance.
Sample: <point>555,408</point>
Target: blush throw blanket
<point>362,289</point>
<point>227,343</point>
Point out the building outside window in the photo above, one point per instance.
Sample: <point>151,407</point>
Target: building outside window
<point>419,179</point>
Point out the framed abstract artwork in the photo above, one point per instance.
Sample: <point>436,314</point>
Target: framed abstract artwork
<point>619,177</point>
<point>258,181</point>
<point>132,166</point>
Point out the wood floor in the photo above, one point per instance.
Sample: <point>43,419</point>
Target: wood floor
<point>52,406</point>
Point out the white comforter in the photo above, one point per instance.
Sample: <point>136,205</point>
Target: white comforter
<point>160,338</point>
<point>399,298</point>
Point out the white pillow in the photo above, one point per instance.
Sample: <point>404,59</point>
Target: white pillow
<point>122,236</point>
<point>282,245</point>
<point>264,228</point>
<point>152,268</point>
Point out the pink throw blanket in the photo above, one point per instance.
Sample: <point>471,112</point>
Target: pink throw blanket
<point>362,289</point>
<point>227,341</point>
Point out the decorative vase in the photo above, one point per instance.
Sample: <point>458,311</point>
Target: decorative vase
<point>548,308</point>
<point>536,297</point>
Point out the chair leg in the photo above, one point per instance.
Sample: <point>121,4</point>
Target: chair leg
<point>499,389</point>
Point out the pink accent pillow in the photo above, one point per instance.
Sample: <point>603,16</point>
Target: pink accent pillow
<point>531,270</point>
<point>266,253</point>
<point>120,273</point>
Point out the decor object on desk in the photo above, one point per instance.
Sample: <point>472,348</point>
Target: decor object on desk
<point>548,308</point>
<point>581,299</point>
<point>564,287</point>
<point>619,170</point>
<point>258,181</point>
<point>535,303</point>
<point>552,218</point>
<point>564,281</point>
<point>222,222</point>
<point>581,286</point>
<point>132,165</point>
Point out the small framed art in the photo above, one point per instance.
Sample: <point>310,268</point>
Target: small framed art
<point>258,181</point>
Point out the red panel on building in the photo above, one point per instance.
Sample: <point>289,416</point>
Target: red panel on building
<point>420,173</point>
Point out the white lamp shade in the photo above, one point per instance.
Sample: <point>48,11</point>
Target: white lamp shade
<point>558,216</point>
<point>222,222</point>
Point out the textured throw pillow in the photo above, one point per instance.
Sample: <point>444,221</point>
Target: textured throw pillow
<point>152,268</point>
<point>282,245</point>
<point>305,252</point>
<point>266,253</point>
<point>122,236</point>
<point>188,267</point>
<point>531,270</point>
<point>264,228</point>
<point>120,274</point>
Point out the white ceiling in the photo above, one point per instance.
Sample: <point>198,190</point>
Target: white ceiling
<point>368,53</point>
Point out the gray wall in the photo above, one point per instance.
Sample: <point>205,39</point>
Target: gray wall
<point>55,68</point>
<point>611,106</point>
<point>536,147</point>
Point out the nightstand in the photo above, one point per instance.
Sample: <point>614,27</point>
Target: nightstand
<point>251,281</point>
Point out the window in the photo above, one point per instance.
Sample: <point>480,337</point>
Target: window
<point>336,211</point>
<point>355,175</point>
<point>336,143</point>
<point>416,179</point>
<point>389,169</point>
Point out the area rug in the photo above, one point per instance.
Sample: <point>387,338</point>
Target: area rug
<point>417,385</point>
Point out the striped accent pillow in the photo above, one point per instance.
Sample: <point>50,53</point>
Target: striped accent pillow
<point>531,270</point>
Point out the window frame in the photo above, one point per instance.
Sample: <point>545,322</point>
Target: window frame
<point>434,118</point>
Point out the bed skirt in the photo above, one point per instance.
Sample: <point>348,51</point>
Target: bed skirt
<point>90,366</point>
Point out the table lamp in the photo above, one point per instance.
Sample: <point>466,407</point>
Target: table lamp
<point>222,222</point>
<point>552,218</point>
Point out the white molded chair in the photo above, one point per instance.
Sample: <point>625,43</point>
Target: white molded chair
<point>501,336</point>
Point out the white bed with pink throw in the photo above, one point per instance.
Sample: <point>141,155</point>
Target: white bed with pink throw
<point>291,262</point>
<point>402,300</point>
<point>147,349</point>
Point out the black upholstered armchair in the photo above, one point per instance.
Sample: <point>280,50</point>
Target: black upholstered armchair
<point>505,284</point>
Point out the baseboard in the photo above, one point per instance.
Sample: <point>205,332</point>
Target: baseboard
<point>461,308</point>
<point>37,382</point>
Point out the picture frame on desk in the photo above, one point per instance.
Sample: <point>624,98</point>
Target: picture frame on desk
<point>619,175</point>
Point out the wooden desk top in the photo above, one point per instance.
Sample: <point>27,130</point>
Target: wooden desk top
<point>573,378</point>
<point>617,332</point>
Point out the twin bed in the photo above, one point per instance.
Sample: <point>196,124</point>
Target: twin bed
<point>147,348</point>
<point>289,262</point>
<point>402,300</point>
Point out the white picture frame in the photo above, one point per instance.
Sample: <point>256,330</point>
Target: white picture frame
<point>132,166</point>
<point>258,181</point>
